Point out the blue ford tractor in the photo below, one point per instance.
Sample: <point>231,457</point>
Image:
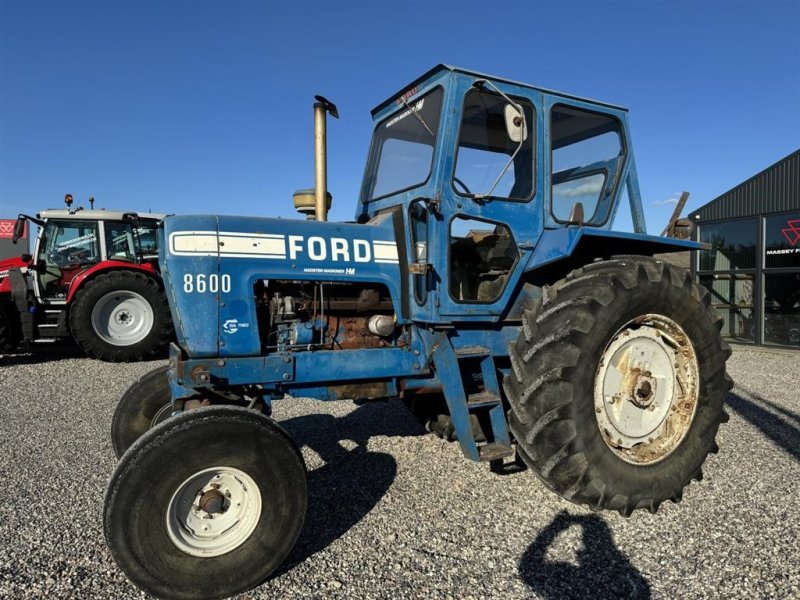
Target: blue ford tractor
<point>480,282</point>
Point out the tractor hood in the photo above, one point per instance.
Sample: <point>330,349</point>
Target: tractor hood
<point>7,264</point>
<point>211,264</point>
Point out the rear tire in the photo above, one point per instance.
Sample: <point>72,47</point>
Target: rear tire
<point>144,405</point>
<point>9,340</point>
<point>121,316</point>
<point>177,533</point>
<point>600,330</point>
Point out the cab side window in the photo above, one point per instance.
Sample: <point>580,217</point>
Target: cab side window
<point>70,243</point>
<point>120,243</point>
<point>485,149</point>
<point>482,255</point>
<point>587,155</point>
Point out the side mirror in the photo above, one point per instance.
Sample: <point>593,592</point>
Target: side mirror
<point>682,229</point>
<point>19,229</point>
<point>515,124</point>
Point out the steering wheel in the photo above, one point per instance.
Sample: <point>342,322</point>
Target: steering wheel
<point>462,185</point>
<point>68,257</point>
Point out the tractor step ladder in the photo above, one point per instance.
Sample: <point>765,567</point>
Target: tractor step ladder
<point>448,362</point>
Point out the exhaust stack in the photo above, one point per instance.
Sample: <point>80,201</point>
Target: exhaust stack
<point>322,203</point>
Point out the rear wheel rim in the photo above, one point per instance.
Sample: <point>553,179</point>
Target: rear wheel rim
<point>213,512</point>
<point>122,318</point>
<point>646,389</point>
<point>163,413</point>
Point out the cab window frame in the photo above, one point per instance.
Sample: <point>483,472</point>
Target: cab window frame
<point>623,157</point>
<point>373,160</point>
<point>511,269</point>
<point>525,102</point>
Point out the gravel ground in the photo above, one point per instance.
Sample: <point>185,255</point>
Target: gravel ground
<point>395,512</point>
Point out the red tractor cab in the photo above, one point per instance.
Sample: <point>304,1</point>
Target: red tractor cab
<point>94,276</point>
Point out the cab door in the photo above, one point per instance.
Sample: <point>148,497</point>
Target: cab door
<point>66,248</point>
<point>490,200</point>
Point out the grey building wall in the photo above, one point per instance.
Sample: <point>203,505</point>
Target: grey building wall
<point>775,189</point>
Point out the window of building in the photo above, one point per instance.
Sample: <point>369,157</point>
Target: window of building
<point>782,308</point>
<point>782,241</point>
<point>732,298</point>
<point>733,245</point>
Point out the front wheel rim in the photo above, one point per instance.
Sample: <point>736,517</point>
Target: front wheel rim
<point>646,389</point>
<point>213,512</point>
<point>122,318</point>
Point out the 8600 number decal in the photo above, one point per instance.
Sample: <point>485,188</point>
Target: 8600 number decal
<point>201,283</point>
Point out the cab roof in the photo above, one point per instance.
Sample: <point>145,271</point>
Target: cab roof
<point>95,215</point>
<point>442,67</point>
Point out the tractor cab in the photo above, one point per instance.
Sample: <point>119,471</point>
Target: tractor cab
<point>482,169</point>
<point>71,242</point>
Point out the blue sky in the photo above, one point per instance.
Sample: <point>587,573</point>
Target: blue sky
<point>197,106</point>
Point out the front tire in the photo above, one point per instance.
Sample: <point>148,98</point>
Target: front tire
<point>121,316</point>
<point>144,405</point>
<point>618,384</point>
<point>207,504</point>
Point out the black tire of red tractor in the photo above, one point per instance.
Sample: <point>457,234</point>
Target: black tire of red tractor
<point>158,463</point>
<point>551,387</point>
<point>144,405</point>
<point>9,339</point>
<point>80,316</point>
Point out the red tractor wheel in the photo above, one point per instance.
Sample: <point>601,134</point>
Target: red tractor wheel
<point>121,316</point>
<point>8,338</point>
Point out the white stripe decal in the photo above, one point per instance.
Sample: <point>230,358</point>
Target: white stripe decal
<point>256,246</point>
<point>193,243</point>
<point>227,244</point>
<point>385,251</point>
<point>232,244</point>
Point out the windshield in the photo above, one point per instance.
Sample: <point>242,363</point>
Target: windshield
<point>401,155</point>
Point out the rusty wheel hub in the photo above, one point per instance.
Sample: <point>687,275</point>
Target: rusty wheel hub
<point>645,392</point>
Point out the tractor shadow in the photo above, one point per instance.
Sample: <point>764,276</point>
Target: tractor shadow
<point>39,353</point>
<point>352,481</point>
<point>61,349</point>
<point>785,432</point>
<point>602,570</point>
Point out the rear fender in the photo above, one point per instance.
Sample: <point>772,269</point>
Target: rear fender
<point>104,267</point>
<point>560,251</point>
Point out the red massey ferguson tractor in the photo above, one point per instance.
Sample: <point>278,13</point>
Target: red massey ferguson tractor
<point>93,276</point>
